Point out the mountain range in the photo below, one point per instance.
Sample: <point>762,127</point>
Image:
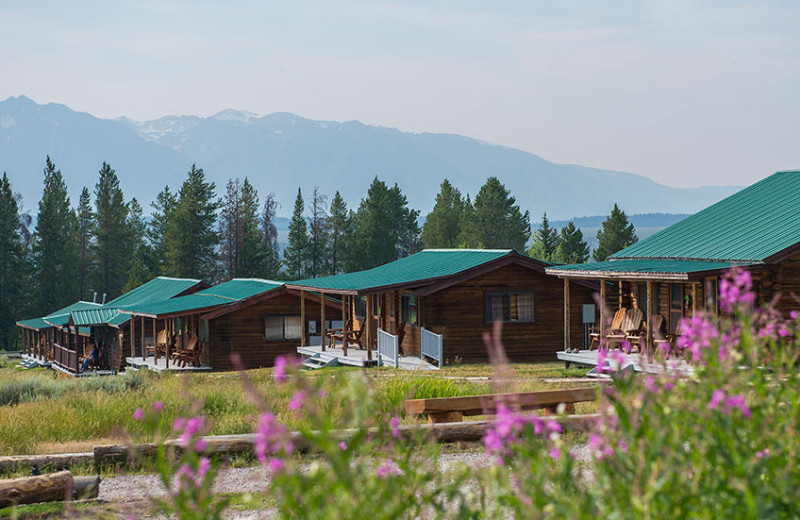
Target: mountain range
<point>280,152</point>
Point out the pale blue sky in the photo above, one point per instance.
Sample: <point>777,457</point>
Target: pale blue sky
<point>685,92</point>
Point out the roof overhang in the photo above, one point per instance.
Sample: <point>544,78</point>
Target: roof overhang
<point>683,275</point>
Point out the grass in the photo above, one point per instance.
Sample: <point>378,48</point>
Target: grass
<point>41,413</point>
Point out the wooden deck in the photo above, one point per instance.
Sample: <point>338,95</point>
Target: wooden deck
<point>88,373</point>
<point>150,363</point>
<point>358,358</point>
<point>636,362</point>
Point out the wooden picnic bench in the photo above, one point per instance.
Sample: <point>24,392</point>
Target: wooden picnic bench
<point>453,409</point>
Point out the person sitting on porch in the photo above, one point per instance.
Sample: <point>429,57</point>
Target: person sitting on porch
<point>93,358</point>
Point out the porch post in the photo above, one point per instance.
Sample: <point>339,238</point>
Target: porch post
<point>649,336</point>
<point>694,299</point>
<point>602,310</point>
<point>620,295</point>
<point>368,325</point>
<point>169,340</point>
<point>322,328</point>
<point>344,323</point>
<point>142,325</point>
<point>155,337</point>
<point>133,337</point>
<point>566,316</point>
<point>302,318</point>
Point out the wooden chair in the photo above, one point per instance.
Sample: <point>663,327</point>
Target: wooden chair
<point>160,344</point>
<point>354,336</point>
<point>189,354</point>
<point>638,339</point>
<point>335,335</point>
<point>668,339</point>
<point>616,325</point>
<point>631,325</point>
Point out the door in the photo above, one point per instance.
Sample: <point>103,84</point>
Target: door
<point>675,305</point>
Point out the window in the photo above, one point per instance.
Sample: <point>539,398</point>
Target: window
<point>278,328</point>
<point>408,309</point>
<point>509,306</point>
<point>360,304</point>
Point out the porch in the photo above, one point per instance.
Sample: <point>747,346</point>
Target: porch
<point>636,362</point>
<point>355,357</point>
<point>160,364</point>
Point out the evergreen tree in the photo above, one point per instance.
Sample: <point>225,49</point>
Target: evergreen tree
<point>269,237</point>
<point>163,210</point>
<point>385,228</point>
<point>467,236</point>
<point>545,242</point>
<point>253,258</point>
<point>13,268</point>
<point>191,237</point>
<point>112,249</point>
<point>296,253</point>
<point>230,229</point>
<point>341,223</point>
<point>55,255</point>
<point>318,235</point>
<point>85,233</point>
<point>442,228</point>
<point>572,248</point>
<point>617,234</point>
<point>139,269</point>
<point>498,222</point>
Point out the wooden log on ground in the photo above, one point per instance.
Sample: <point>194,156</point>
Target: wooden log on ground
<point>85,487</point>
<point>53,461</point>
<point>41,488</point>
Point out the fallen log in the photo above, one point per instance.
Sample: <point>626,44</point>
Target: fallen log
<point>445,433</point>
<point>55,461</point>
<point>32,490</point>
<point>85,487</point>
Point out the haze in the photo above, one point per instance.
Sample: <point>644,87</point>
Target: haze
<point>687,93</point>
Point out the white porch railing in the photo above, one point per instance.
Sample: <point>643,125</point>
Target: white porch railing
<point>388,348</point>
<point>431,345</point>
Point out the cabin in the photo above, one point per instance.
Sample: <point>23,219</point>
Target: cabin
<point>49,340</point>
<point>111,330</point>
<point>676,272</point>
<point>437,304</point>
<point>256,319</point>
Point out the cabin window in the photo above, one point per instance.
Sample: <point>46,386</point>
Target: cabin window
<point>278,328</point>
<point>711,295</point>
<point>360,305</point>
<point>509,306</point>
<point>408,309</point>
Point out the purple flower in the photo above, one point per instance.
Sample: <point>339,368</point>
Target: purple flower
<point>737,402</point>
<point>200,445</point>
<point>716,399</point>
<point>342,445</point>
<point>554,453</point>
<point>762,453</point>
<point>509,427</point>
<point>394,424</point>
<point>158,406</point>
<point>388,468</point>
<point>272,438</point>
<point>138,414</point>
<point>698,332</point>
<point>297,400</point>
<point>276,465</point>
<point>280,369</point>
<point>736,289</point>
<point>650,384</point>
<point>189,428</point>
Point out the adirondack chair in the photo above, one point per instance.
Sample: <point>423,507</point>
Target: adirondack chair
<point>637,339</point>
<point>616,325</point>
<point>631,325</point>
<point>190,353</point>
<point>668,340</point>
<point>160,345</point>
<point>354,336</point>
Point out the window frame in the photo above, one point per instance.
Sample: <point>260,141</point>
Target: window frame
<point>283,318</point>
<point>487,306</point>
<point>405,309</point>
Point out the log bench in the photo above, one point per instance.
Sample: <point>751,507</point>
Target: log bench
<point>453,409</point>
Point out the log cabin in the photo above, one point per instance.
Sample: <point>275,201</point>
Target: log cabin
<point>114,331</point>
<point>43,337</point>
<point>256,319</point>
<point>443,300</point>
<point>676,272</point>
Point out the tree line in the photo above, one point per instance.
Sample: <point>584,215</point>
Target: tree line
<point>105,245</point>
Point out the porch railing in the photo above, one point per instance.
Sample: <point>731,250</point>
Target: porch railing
<point>65,358</point>
<point>431,345</point>
<point>388,348</point>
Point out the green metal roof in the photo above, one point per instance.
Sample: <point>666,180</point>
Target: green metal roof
<point>423,266</point>
<point>156,290</point>
<point>57,318</point>
<point>225,293</point>
<point>749,226</point>
<point>641,268</point>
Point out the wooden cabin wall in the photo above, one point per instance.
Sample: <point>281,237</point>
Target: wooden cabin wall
<point>783,281</point>
<point>243,331</point>
<point>459,314</point>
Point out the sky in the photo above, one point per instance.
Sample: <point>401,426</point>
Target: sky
<point>688,93</point>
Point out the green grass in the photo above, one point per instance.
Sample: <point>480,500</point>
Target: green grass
<point>45,510</point>
<point>40,413</point>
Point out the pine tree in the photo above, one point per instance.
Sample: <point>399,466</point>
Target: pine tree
<point>442,228</point>
<point>55,255</point>
<point>467,236</point>
<point>572,248</point>
<point>85,234</point>
<point>385,228</point>
<point>139,268</point>
<point>191,237</point>
<point>253,258</point>
<point>341,223</point>
<point>163,211</point>
<point>545,242</point>
<point>269,237</point>
<point>617,234</point>
<point>13,268</point>
<point>498,221</point>
<point>230,229</point>
<point>296,253</point>
<point>112,249</point>
<point>318,235</point>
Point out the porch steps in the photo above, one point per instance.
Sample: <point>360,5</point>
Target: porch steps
<point>320,361</point>
<point>29,363</point>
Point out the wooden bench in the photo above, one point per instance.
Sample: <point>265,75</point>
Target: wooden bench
<point>453,409</point>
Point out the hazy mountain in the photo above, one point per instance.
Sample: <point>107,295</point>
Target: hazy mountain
<point>281,151</point>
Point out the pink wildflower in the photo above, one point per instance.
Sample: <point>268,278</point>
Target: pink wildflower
<point>158,406</point>
<point>202,470</point>
<point>554,453</point>
<point>736,289</point>
<point>138,414</point>
<point>276,465</point>
<point>297,400</point>
<point>698,332</point>
<point>394,424</point>
<point>280,369</point>
<point>737,402</point>
<point>272,438</point>
<point>200,446</point>
<point>388,468</point>
<point>602,354</point>
<point>650,384</point>
<point>189,428</point>
<point>762,453</point>
<point>716,399</point>
<point>342,445</point>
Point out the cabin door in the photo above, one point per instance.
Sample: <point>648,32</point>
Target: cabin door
<point>675,306</point>
<point>391,313</point>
